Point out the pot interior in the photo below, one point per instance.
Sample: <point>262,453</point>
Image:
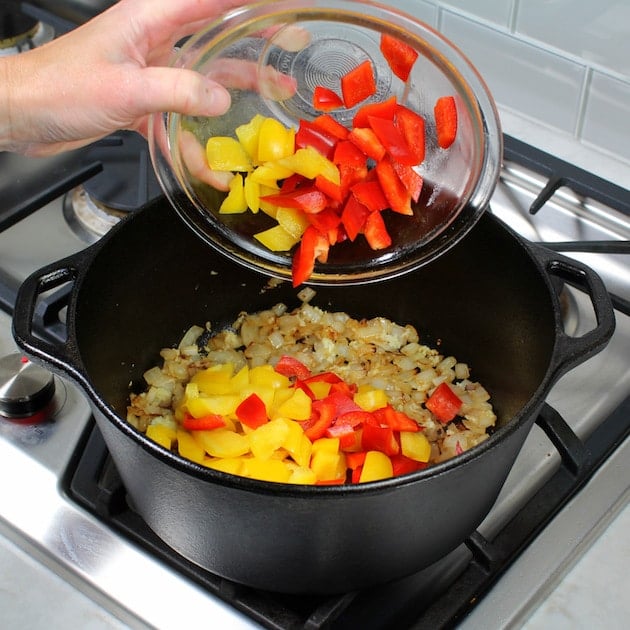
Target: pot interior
<point>485,301</point>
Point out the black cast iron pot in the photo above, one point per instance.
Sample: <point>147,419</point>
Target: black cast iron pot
<point>490,300</point>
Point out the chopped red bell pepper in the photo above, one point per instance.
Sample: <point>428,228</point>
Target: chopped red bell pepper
<point>205,423</point>
<point>355,460</point>
<point>445,112</point>
<point>402,465</point>
<point>377,438</point>
<point>349,154</point>
<point>399,55</point>
<point>327,222</point>
<point>410,179</point>
<point>383,109</point>
<point>306,198</point>
<point>411,126</point>
<point>376,232</point>
<point>393,141</point>
<point>292,368</point>
<point>325,377</point>
<point>370,194</point>
<point>353,217</point>
<point>358,84</point>
<point>366,140</point>
<point>396,420</point>
<point>393,189</point>
<point>252,412</point>
<point>325,99</point>
<point>313,246</point>
<point>328,124</point>
<point>309,135</point>
<point>322,417</point>
<point>444,403</point>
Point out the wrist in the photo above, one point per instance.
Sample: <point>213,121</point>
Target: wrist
<point>6,140</point>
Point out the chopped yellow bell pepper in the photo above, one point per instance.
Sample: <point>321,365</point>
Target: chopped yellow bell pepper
<point>248,134</point>
<point>232,465</point>
<point>297,444</point>
<point>221,404</point>
<point>227,154</point>
<point>268,438</point>
<point>293,220</point>
<point>415,446</point>
<point>275,141</point>
<point>328,465</point>
<point>309,163</point>
<point>376,466</point>
<point>251,190</point>
<point>297,407</point>
<point>189,448</point>
<point>302,475</point>
<point>234,202</point>
<point>267,470</point>
<point>222,442</point>
<point>266,375</point>
<point>370,398</point>
<point>163,435</point>
<point>276,239</point>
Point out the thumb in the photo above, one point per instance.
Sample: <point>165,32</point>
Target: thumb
<point>183,91</point>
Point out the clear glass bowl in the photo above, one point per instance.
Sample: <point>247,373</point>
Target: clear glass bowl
<point>253,49</point>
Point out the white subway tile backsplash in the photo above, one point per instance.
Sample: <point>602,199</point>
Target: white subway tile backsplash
<point>496,11</point>
<point>425,11</point>
<point>597,31</point>
<point>607,115</point>
<point>521,76</point>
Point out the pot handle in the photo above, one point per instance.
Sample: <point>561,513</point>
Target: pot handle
<point>62,356</point>
<point>572,351</point>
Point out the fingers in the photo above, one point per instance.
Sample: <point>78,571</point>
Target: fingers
<point>182,91</point>
<point>194,157</point>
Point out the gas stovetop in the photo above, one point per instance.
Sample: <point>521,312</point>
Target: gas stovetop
<point>77,520</point>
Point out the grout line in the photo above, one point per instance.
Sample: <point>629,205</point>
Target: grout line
<point>583,101</point>
<point>513,16</point>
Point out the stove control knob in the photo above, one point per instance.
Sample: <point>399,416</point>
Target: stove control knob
<point>26,389</point>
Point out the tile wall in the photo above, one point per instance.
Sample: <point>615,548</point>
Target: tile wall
<point>564,64</point>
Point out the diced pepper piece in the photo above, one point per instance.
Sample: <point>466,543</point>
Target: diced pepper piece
<point>411,126</point>
<point>376,232</point>
<point>292,367</point>
<point>252,411</point>
<point>444,403</point>
<point>275,141</point>
<point>248,134</point>
<point>328,465</point>
<point>203,423</point>
<point>266,376</point>
<point>231,465</point>
<point>445,112</point>
<point>297,407</point>
<point>269,173</point>
<point>297,444</point>
<point>415,446</point>
<point>355,460</point>
<point>251,190</point>
<point>396,420</point>
<point>308,199</point>
<point>410,179</point>
<point>399,55</point>
<point>353,217</point>
<point>366,140</point>
<point>227,154</point>
<point>268,438</point>
<point>222,442</point>
<point>327,123</point>
<point>311,247</point>
<point>325,99</point>
<point>376,438</point>
<point>188,447</point>
<point>402,465</point>
<point>370,194</point>
<point>302,475</point>
<point>331,190</point>
<point>377,465</point>
<point>382,109</point>
<point>358,84</point>
<point>234,202</point>
<point>163,435</point>
<point>309,135</point>
<point>293,220</point>
<point>393,141</point>
<point>370,398</point>
<point>222,405</point>
<point>309,163</point>
<point>276,239</point>
<point>397,195</point>
<point>321,418</point>
<point>268,470</point>
<point>348,153</point>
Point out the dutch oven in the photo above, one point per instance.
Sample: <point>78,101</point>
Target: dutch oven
<point>490,300</point>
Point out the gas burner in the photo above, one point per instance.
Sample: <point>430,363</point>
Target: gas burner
<point>20,32</point>
<point>125,183</point>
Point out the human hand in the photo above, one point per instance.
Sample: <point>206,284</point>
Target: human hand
<point>108,74</point>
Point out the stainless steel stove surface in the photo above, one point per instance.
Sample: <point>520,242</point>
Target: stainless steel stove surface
<point>80,527</point>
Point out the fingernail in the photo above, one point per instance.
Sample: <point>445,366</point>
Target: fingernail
<point>217,100</point>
